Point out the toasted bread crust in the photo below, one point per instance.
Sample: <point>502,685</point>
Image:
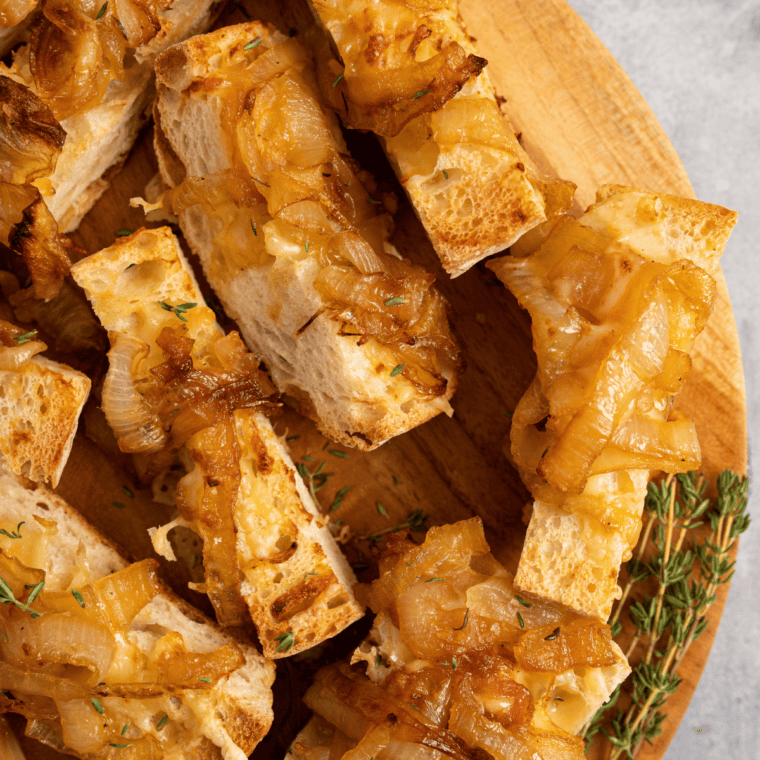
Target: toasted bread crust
<point>161,273</point>
<point>41,404</point>
<point>357,408</point>
<point>246,715</point>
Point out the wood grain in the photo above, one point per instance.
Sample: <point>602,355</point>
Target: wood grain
<point>582,119</point>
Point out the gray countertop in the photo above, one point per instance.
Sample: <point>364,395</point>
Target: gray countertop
<point>697,63</point>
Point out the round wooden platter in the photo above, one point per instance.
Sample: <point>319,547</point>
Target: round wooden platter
<point>582,119</point>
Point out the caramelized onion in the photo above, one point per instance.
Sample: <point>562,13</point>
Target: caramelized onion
<point>15,358</point>
<point>44,249</point>
<point>555,649</point>
<point>13,200</point>
<point>136,428</point>
<point>30,138</point>
<point>73,56</point>
<point>15,11</point>
<point>84,729</point>
<point>25,681</point>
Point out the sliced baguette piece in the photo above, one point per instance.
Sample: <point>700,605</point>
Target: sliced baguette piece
<point>99,138</point>
<point>40,404</point>
<point>295,581</point>
<point>361,390</point>
<point>229,719</point>
<point>416,657</point>
<point>470,181</point>
<point>632,276</point>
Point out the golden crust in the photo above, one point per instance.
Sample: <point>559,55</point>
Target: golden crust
<point>41,404</point>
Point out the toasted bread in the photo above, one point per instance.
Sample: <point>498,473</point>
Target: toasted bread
<point>358,389</point>
<point>99,138</point>
<point>303,593</point>
<point>231,718</point>
<point>40,407</point>
<point>629,279</point>
<point>468,178</point>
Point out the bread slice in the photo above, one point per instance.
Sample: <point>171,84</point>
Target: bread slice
<point>360,388</point>
<point>295,581</point>
<point>416,657</point>
<point>99,138</point>
<point>229,719</point>
<point>40,406</point>
<point>468,178</point>
<point>629,279</point>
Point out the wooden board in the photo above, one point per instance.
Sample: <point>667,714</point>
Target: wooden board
<point>581,118</point>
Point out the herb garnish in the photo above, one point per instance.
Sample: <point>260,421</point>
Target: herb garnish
<point>415,522</point>
<point>381,509</point>
<point>162,722</point>
<point>339,454</point>
<point>397,369</point>
<point>78,597</point>
<point>102,11</point>
<point>339,77</point>
<point>205,679</point>
<point>420,93</point>
<point>394,301</point>
<point>464,622</point>
<point>125,729</point>
<point>688,576</point>
<point>96,703</point>
<point>253,43</point>
<point>553,635</point>
<point>520,620</point>
<point>338,500</point>
<point>118,504</point>
<point>21,339</point>
<point>123,233</point>
<point>179,310</point>
<point>7,597</point>
<point>522,601</point>
<point>14,533</point>
<point>287,640</point>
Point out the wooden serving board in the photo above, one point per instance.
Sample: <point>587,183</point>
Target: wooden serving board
<point>582,119</point>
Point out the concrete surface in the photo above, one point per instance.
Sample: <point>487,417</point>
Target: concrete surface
<point>697,63</point>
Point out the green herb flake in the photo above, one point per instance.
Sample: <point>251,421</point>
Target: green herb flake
<point>373,201</point>
<point>118,504</point>
<point>120,746</point>
<point>558,699</point>
<point>96,703</point>
<point>162,722</point>
<point>128,267</point>
<point>205,679</point>
<point>338,500</point>
<point>434,580</point>
<point>123,233</point>
<point>78,596</point>
<point>553,635</point>
<point>15,534</point>
<point>253,43</point>
<point>102,11</point>
<point>395,301</point>
<point>453,662</point>
<point>395,481</point>
<point>381,509</point>
<point>283,358</point>
<point>287,640</point>
<point>125,729</point>
<point>25,338</point>
<point>5,638</point>
<point>411,564</point>
<point>306,247</point>
<point>520,620</point>
<point>398,369</point>
<point>128,492</point>
<point>253,227</point>
<point>292,438</point>
<point>307,458</point>
<point>445,174</point>
<point>420,93</point>
<point>336,453</point>
<point>179,310</point>
<point>522,601</point>
<point>338,78</point>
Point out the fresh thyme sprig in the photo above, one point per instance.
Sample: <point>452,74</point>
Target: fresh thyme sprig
<point>671,620</point>
<point>415,522</point>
